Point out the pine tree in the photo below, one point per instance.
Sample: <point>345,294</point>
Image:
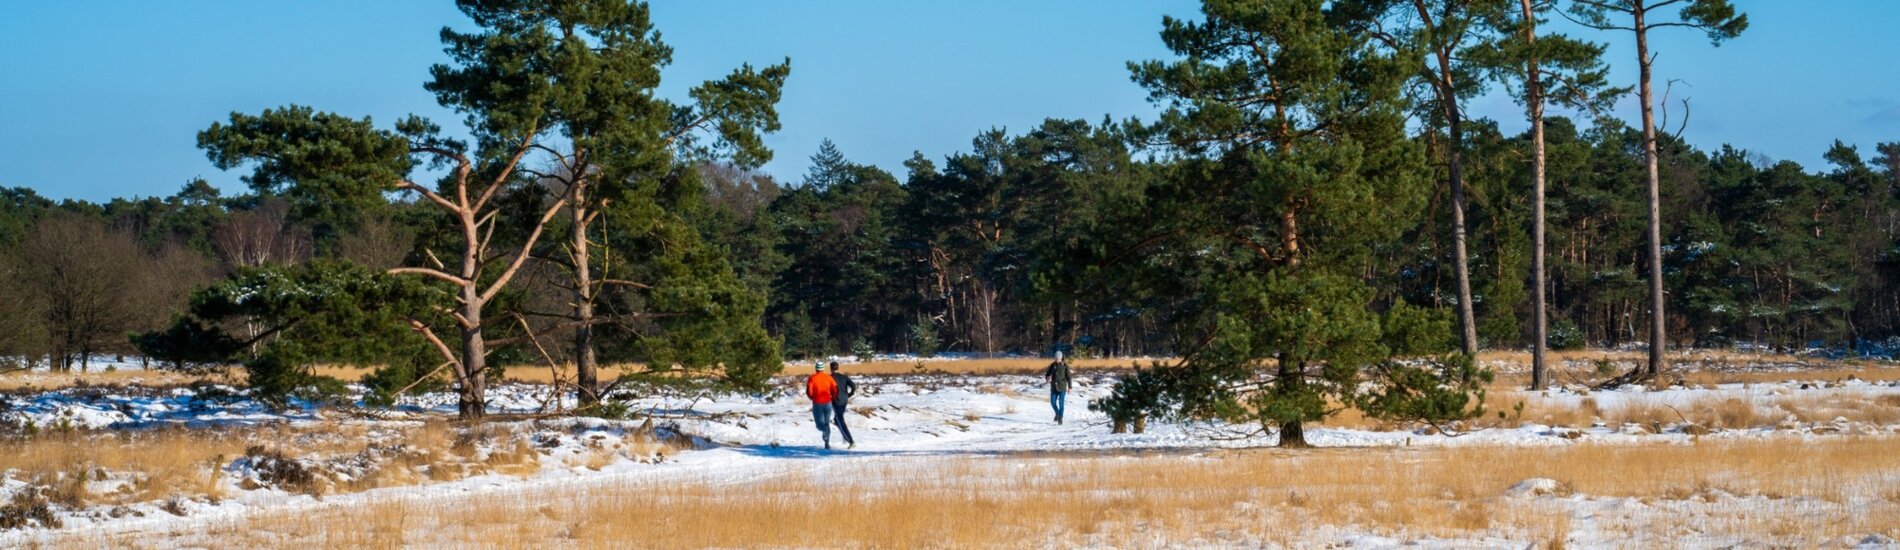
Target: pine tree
<point>594,67</point>
<point>838,233</point>
<point>1715,17</point>
<point>1518,57</point>
<point>1291,128</point>
<point>1440,30</point>
<point>321,312</point>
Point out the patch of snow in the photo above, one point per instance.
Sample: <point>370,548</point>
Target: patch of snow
<point>1534,487</point>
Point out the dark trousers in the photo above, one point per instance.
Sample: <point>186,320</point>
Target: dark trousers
<point>837,411</point>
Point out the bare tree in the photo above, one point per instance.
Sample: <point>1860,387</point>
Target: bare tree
<point>21,338</point>
<point>378,242</point>
<point>81,275</point>
<point>260,236</point>
<point>735,189</point>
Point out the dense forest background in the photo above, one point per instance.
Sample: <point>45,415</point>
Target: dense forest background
<point>1009,246</point>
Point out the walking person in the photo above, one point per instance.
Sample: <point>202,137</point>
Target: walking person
<point>1058,377</point>
<point>821,388</point>
<point>841,397</point>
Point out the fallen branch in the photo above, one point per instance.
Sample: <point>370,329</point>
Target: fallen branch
<point>1634,376</point>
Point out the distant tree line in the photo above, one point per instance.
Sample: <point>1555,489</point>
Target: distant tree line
<point>1000,248</point>
<point>1312,204</point>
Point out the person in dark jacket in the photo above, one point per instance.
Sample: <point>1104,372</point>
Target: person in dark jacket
<point>1058,377</point>
<point>841,396</point>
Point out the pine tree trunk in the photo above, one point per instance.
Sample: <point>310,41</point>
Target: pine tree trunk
<point>1467,318</point>
<point>1293,436</point>
<point>1657,337</point>
<point>1534,98</point>
<point>1288,381</point>
<point>1447,92</point>
<point>1290,235</point>
<point>473,404</point>
<point>586,373</point>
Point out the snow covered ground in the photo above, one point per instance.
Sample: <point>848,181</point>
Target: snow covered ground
<point>904,421</point>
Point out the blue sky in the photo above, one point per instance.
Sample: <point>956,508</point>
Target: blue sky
<point>104,99</point>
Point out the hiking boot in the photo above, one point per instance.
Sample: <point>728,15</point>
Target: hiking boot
<point>853,445</point>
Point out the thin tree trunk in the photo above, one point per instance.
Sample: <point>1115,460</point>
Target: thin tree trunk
<point>1534,98</point>
<point>585,369</point>
<point>1454,159</point>
<point>1467,318</point>
<point>1290,235</point>
<point>1657,340</point>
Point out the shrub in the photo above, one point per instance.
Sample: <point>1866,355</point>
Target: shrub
<point>1564,335</point>
<point>1136,396</point>
<point>28,508</point>
<point>923,338</point>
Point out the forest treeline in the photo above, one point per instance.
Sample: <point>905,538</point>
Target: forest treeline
<point>1312,209</point>
<point>995,249</point>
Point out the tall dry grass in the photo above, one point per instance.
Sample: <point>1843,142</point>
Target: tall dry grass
<point>1716,411</point>
<point>117,468</point>
<point>1773,493</point>
<point>1010,365</point>
<point>81,470</point>
<point>1691,367</point>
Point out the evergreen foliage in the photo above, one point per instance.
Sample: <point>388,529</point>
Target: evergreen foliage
<point>323,312</point>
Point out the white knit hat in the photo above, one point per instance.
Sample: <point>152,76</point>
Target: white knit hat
<point>1058,355</point>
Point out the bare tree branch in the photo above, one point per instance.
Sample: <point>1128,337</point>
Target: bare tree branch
<point>526,248</point>
<point>426,272</point>
<point>440,347</point>
<point>507,169</point>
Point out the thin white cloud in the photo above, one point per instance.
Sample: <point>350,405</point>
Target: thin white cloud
<point>1890,115</point>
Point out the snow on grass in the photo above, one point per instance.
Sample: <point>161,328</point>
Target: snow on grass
<point>906,421</point>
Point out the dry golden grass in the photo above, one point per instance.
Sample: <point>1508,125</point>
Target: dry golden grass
<point>1692,367</point>
<point>55,380</point>
<point>1710,356</point>
<point>542,374</point>
<point>154,465</point>
<point>1017,365</point>
<point>1800,494</point>
<point>110,468</point>
<point>1764,410</point>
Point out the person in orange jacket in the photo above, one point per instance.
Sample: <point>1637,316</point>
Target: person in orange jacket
<point>820,388</point>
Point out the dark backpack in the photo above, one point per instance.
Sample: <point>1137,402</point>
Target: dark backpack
<point>1058,376</point>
